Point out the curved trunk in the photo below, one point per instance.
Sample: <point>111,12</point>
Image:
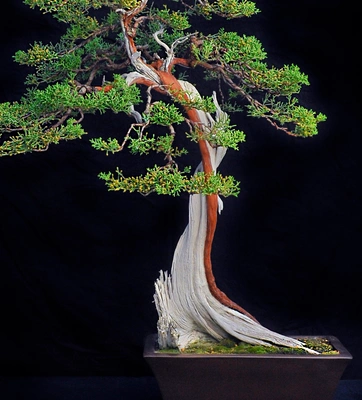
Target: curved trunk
<point>211,222</point>
<point>189,303</point>
<point>201,120</point>
<point>187,309</point>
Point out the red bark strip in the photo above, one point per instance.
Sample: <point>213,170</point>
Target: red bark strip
<point>171,83</point>
<point>211,200</point>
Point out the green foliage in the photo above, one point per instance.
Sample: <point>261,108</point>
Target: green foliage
<point>129,4</point>
<point>45,117</point>
<point>95,46</point>
<point>158,180</point>
<point>60,97</point>
<point>202,103</point>
<point>283,81</point>
<point>51,63</point>
<point>175,19</point>
<point>165,114</point>
<point>11,115</point>
<point>289,112</point>
<point>243,56</point>
<point>83,73</point>
<point>142,145</point>
<point>72,12</point>
<point>82,28</point>
<point>213,184</point>
<point>171,181</point>
<point>228,8</point>
<point>67,60</point>
<point>66,10</point>
<point>112,19</point>
<point>109,146</point>
<point>38,53</point>
<point>230,47</point>
<point>222,133</point>
<point>160,144</point>
<point>35,137</point>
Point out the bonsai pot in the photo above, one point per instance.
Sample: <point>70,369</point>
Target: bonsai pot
<point>247,376</point>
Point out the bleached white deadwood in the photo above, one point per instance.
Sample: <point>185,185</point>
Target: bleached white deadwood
<point>170,51</point>
<point>187,310</point>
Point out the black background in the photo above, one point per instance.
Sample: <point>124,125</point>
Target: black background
<point>78,263</point>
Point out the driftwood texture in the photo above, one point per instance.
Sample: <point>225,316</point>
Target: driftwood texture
<point>187,310</point>
<point>189,304</point>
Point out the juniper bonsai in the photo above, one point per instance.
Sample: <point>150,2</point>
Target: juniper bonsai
<point>126,56</point>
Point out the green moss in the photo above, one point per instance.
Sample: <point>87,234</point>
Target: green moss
<point>228,346</point>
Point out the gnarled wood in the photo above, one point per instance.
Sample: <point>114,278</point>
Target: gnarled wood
<point>189,303</point>
<point>186,302</point>
<point>187,309</point>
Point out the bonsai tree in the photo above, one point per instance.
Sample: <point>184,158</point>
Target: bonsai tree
<point>126,56</point>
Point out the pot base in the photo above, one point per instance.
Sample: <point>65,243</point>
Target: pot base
<point>247,376</point>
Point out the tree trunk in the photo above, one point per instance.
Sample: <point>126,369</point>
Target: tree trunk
<point>188,302</point>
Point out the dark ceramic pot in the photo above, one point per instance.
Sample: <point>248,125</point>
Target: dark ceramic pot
<point>247,376</point>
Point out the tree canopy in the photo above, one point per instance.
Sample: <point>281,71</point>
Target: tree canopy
<point>115,56</point>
